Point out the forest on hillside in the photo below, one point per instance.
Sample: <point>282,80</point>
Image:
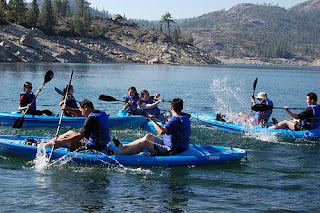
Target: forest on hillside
<point>253,30</point>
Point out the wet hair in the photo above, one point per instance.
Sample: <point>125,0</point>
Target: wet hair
<point>87,103</point>
<point>313,96</point>
<point>25,85</point>
<point>66,87</point>
<point>177,104</point>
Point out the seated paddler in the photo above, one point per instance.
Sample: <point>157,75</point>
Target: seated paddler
<point>176,135</point>
<point>94,134</point>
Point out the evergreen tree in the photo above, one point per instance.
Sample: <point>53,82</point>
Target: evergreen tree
<point>3,9</point>
<point>166,19</point>
<point>82,20</point>
<point>57,6</point>
<point>32,14</point>
<point>82,7</point>
<point>176,35</point>
<point>16,11</point>
<point>65,9</point>
<point>46,19</point>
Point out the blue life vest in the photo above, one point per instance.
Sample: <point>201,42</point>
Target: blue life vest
<point>135,99</point>
<point>263,116</point>
<point>180,138</point>
<point>151,111</point>
<point>102,136</point>
<point>30,98</point>
<point>72,103</point>
<point>315,121</point>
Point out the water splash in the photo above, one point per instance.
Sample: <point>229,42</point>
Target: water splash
<point>262,136</point>
<point>41,161</point>
<point>228,93</point>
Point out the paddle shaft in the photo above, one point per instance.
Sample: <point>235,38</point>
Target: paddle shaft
<point>293,108</point>
<point>61,115</point>
<point>64,101</point>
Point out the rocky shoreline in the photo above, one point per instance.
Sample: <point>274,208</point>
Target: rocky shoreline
<point>134,45</point>
<point>270,61</point>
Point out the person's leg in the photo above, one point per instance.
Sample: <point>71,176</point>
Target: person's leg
<point>68,134</point>
<point>147,142</point>
<point>240,116</point>
<point>283,124</point>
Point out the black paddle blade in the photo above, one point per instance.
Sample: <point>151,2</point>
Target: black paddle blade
<point>255,84</point>
<point>59,91</point>
<point>107,98</point>
<point>49,75</point>
<point>18,123</point>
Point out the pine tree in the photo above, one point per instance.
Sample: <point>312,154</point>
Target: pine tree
<point>46,19</point>
<point>166,19</point>
<point>82,20</point>
<point>65,9</point>
<point>57,6</point>
<point>82,7</point>
<point>3,8</point>
<point>16,11</point>
<point>32,14</point>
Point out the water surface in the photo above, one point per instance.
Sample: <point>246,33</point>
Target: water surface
<point>282,175</point>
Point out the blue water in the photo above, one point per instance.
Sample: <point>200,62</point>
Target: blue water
<point>281,175</point>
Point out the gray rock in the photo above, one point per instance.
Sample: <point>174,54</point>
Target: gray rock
<point>116,17</point>
<point>28,41</point>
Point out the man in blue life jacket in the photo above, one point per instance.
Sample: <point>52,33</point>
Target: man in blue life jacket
<point>94,134</point>
<point>176,135</point>
<point>309,118</point>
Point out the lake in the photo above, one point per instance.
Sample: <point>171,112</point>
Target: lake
<point>281,175</point>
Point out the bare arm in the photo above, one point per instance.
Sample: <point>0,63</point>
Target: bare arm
<point>74,111</point>
<point>160,129</point>
<point>148,106</point>
<point>293,115</point>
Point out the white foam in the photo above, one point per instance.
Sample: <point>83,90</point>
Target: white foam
<point>41,161</point>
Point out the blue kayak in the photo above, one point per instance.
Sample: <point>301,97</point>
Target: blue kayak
<point>210,120</point>
<point>195,155</point>
<point>74,122</point>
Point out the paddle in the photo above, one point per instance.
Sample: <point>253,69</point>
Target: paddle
<point>110,98</point>
<point>267,107</point>
<point>60,92</point>
<point>293,108</point>
<point>61,115</point>
<point>254,86</point>
<point>19,123</point>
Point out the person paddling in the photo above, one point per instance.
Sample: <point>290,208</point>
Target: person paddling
<point>176,135</point>
<point>71,109</point>
<point>150,105</point>
<point>26,101</point>
<point>309,118</point>
<point>94,134</point>
<point>263,110</point>
<point>131,102</point>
